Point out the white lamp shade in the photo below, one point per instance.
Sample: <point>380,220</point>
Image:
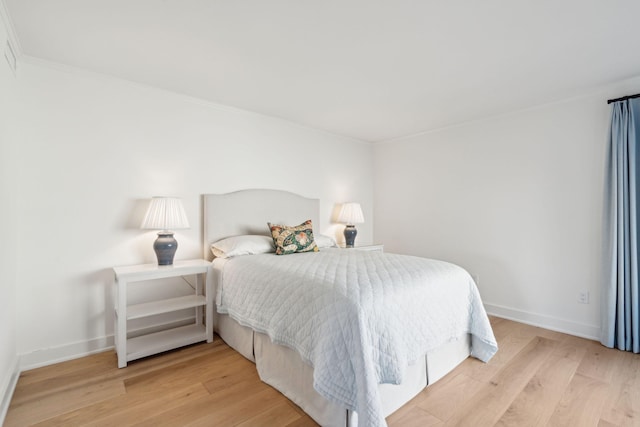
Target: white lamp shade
<point>165,213</point>
<point>351,213</point>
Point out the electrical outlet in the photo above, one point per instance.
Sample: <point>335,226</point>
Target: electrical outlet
<point>583,297</point>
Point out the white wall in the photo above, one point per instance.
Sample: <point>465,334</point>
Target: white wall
<point>517,200</point>
<point>8,219</point>
<point>92,151</point>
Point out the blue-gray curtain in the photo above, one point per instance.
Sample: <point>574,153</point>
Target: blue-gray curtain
<point>621,294</point>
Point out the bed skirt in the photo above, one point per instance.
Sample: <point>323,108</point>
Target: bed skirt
<point>284,369</point>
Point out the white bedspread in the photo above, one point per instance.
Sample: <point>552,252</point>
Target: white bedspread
<point>357,317</point>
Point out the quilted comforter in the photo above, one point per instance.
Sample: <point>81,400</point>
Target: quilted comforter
<point>357,317</point>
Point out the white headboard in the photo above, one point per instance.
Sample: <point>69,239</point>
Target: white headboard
<point>248,211</point>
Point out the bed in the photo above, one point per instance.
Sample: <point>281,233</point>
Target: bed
<point>360,358</point>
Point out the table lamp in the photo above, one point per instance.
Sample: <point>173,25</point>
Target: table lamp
<point>350,214</point>
<point>165,213</point>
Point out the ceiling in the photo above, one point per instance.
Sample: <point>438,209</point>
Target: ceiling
<point>369,69</point>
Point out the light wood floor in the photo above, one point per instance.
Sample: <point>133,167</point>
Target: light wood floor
<point>537,378</point>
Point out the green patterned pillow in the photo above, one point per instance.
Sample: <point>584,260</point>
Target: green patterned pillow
<point>290,240</point>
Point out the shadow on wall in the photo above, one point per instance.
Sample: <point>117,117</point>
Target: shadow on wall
<point>100,319</point>
<point>133,213</point>
<point>494,278</point>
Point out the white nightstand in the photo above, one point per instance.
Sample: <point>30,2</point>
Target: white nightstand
<point>365,247</point>
<point>146,345</point>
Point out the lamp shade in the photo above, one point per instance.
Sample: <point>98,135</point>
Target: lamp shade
<point>351,213</point>
<point>165,213</point>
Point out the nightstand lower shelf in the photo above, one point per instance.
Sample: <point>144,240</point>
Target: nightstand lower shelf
<point>149,344</point>
<point>164,306</point>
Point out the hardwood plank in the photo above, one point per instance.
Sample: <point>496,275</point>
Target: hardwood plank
<point>212,408</point>
<point>304,418</point>
<point>573,348</point>
<point>443,399</point>
<point>35,384</point>
<point>414,417</point>
<point>495,320</point>
<point>535,404</point>
<point>509,347</point>
<point>479,371</point>
<point>128,408</point>
<point>622,407</point>
<point>582,402</point>
<point>239,411</point>
<point>242,370</point>
<point>96,363</point>
<point>303,421</point>
<point>57,403</point>
<point>129,414</point>
<point>278,415</point>
<point>102,364</point>
<point>74,373</point>
<point>599,361</point>
<point>487,406</point>
<point>501,327</point>
<point>200,367</point>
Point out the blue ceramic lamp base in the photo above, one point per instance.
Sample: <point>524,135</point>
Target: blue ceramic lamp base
<point>165,247</point>
<point>350,233</point>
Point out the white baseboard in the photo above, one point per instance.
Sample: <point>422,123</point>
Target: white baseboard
<point>570,327</point>
<point>7,388</point>
<point>49,356</point>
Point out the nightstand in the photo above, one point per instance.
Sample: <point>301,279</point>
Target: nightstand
<point>365,247</point>
<point>134,348</point>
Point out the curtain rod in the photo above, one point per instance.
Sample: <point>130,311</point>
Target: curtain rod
<point>624,98</point>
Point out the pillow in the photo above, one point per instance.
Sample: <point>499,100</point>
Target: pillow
<point>289,240</point>
<point>242,245</point>
<point>324,241</point>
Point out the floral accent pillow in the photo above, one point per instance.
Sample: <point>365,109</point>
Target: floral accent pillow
<point>289,240</point>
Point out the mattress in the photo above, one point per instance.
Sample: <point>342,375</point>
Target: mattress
<point>358,318</point>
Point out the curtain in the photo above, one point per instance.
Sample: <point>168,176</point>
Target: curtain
<point>621,293</point>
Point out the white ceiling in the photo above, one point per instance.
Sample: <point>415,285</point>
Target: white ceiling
<point>370,69</point>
